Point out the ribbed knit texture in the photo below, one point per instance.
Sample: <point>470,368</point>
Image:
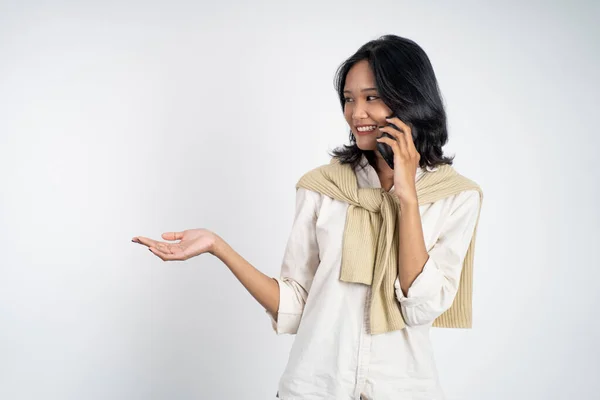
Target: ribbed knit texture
<point>370,241</point>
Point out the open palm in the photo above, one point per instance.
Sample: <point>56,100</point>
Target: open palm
<point>192,242</point>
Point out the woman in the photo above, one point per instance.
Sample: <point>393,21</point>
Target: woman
<point>376,255</point>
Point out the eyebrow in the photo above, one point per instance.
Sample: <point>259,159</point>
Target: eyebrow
<point>363,90</point>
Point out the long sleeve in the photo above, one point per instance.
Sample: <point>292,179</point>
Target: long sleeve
<point>435,288</point>
<point>300,262</point>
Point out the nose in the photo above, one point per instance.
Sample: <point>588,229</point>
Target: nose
<point>358,113</point>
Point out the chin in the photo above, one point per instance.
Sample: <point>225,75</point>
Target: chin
<point>366,143</point>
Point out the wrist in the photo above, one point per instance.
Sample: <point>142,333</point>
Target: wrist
<point>405,203</point>
<point>218,247</point>
<point>408,200</point>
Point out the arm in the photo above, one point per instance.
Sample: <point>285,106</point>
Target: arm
<point>283,298</point>
<point>299,265</point>
<point>433,290</point>
<point>412,255</point>
<point>262,287</point>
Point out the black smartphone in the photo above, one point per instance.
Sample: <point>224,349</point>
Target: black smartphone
<point>385,149</point>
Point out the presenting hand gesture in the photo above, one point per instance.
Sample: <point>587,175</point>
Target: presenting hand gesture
<point>193,242</point>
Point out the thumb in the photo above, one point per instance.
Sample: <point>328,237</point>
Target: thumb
<point>172,235</point>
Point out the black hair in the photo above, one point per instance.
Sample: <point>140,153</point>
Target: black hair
<point>406,83</point>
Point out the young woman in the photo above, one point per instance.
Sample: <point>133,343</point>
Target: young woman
<point>376,255</point>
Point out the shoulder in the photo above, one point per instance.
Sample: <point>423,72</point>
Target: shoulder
<point>469,194</point>
<point>307,196</point>
<point>308,200</point>
<point>467,201</point>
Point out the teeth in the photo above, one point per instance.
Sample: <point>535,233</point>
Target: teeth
<point>366,128</point>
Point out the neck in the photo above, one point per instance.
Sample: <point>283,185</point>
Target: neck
<point>385,173</point>
<point>382,167</point>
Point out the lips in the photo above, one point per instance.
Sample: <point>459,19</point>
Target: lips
<point>367,131</point>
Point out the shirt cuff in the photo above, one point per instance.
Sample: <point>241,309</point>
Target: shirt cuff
<point>290,310</point>
<point>426,285</point>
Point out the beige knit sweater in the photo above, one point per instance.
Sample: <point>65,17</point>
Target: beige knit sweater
<point>370,241</point>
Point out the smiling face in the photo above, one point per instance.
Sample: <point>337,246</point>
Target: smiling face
<point>363,108</point>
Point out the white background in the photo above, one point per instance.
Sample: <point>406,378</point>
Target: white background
<point>120,119</point>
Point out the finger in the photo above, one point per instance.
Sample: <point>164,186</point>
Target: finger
<point>172,235</point>
<point>405,129</point>
<point>399,135</point>
<point>144,240</point>
<point>155,252</point>
<point>401,143</point>
<point>391,130</point>
<point>158,253</point>
<point>164,248</point>
<point>392,142</point>
<point>164,256</point>
<point>398,122</point>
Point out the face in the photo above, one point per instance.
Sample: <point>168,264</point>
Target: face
<point>363,107</point>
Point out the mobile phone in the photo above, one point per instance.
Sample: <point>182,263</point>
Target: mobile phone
<point>386,150</point>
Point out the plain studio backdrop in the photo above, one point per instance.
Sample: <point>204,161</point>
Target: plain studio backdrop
<point>120,119</point>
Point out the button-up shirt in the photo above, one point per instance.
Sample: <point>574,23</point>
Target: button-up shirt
<point>333,356</point>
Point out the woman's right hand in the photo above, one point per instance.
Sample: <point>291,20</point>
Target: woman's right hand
<point>193,242</point>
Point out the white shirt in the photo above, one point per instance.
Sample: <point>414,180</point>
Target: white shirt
<point>333,355</point>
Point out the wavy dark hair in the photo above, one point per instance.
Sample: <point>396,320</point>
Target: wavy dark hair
<point>406,83</point>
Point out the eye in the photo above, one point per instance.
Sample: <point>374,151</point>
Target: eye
<point>346,99</point>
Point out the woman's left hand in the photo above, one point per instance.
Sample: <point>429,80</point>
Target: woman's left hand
<point>406,159</point>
